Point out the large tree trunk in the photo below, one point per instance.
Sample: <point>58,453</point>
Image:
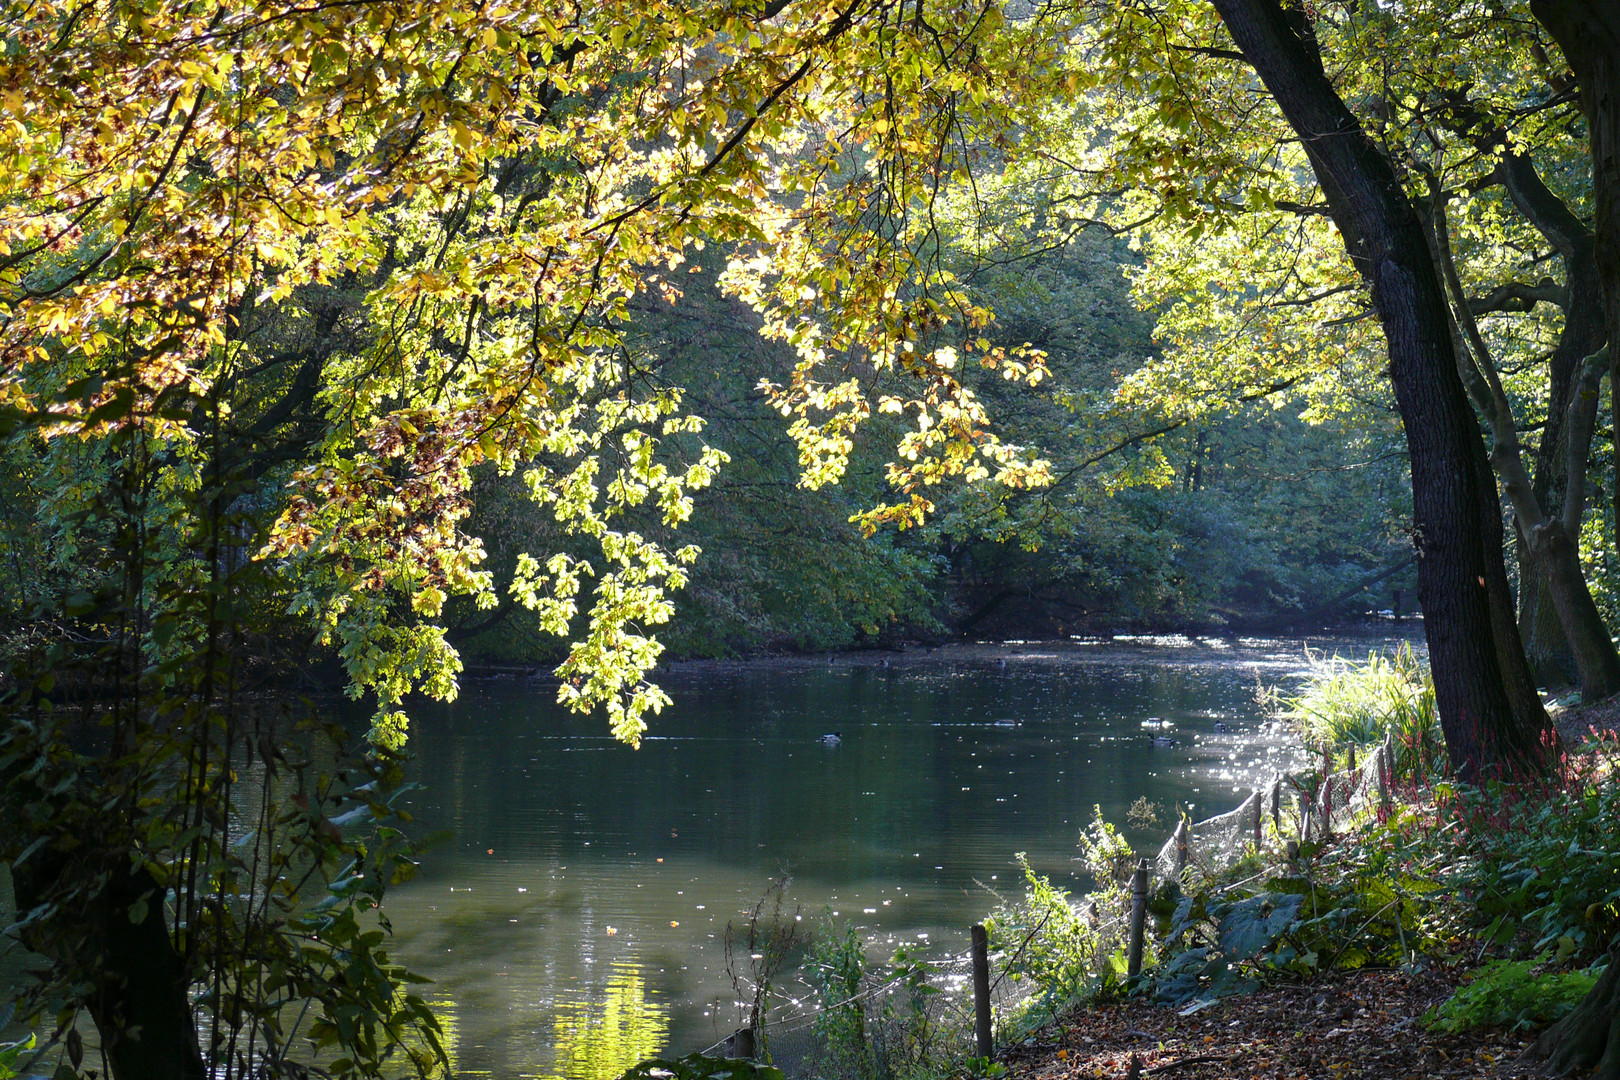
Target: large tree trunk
<point>1589,33</point>
<point>1493,720</point>
<point>137,980</point>
<point>1546,646</point>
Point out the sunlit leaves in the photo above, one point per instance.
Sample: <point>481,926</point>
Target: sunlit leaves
<point>488,188</point>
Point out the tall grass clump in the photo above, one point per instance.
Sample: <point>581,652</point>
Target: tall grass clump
<point>1344,704</point>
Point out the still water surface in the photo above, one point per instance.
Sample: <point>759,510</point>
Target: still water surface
<point>575,921</point>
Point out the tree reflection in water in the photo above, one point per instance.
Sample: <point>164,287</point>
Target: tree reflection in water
<point>598,1039</point>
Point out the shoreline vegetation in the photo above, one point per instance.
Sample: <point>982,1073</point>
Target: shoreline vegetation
<point>1438,933</point>
<point>1503,946</point>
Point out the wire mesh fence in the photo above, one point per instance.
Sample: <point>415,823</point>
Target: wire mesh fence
<point>1298,807</point>
<point>895,1020</point>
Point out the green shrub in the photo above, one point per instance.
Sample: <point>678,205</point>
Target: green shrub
<point>1368,899</point>
<point>1107,857</point>
<point>1515,994</point>
<point>1526,871</point>
<point>836,969</point>
<point>1348,704</point>
<point>1539,872</point>
<point>11,1057</point>
<point>1045,939</point>
<point>894,1034</point>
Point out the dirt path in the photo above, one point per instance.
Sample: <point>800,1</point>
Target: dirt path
<point>1341,1027</point>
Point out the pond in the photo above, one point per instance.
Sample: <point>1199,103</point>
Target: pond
<point>575,921</point>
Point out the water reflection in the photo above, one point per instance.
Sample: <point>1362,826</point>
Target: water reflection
<point>577,919</point>
<point>599,1038</point>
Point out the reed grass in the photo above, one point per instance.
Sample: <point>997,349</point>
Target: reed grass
<point>1346,703</point>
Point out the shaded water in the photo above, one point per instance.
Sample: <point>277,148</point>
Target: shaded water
<point>575,923</point>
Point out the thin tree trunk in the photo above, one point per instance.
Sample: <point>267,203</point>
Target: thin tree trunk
<point>1588,31</point>
<point>1492,718</point>
<point>1555,543</point>
<point>1551,540</point>
<point>1559,461</point>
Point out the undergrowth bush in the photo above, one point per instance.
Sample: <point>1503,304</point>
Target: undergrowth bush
<point>1336,905</point>
<point>1525,875</point>
<point>1542,870</point>
<point>1068,952</point>
<point>1046,941</point>
<point>1510,871</point>
<point>837,968</point>
<point>879,1022</point>
<point>1513,994</point>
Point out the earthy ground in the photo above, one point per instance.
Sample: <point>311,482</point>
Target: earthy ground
<point>1576,723</point>
<point>1341,1027</point>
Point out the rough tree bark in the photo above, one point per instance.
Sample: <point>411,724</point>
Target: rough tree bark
<point>1589,33</point>
<point>1493,720</point>
<point>138,982</point>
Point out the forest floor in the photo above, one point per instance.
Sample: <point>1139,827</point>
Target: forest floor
<point>1578,721</point>
<point>1345,1026</point>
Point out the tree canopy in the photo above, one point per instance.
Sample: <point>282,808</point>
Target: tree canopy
<point>355,330</point>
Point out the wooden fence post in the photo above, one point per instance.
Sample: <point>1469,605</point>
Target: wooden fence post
<point>1384,775</point>
<point>1327,807</point>
<point>1259,817</point>
<point>1139,891</point>
<point>981,989</point>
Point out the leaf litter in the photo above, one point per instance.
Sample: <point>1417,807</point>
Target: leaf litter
<point>1344,1026</point>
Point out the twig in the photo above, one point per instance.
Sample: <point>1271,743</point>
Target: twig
<point>1201,1059</point>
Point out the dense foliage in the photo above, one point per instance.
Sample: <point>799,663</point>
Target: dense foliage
<point>1523,876</point>
<point>337,340</point>
<point>1345,706</point>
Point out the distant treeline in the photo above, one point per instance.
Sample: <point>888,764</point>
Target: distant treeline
<point>1242,516</point>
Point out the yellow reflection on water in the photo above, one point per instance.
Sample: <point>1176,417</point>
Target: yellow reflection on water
<point>600,1039</point>
<point>417,1058</point>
